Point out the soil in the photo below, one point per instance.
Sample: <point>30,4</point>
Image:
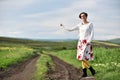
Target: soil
<point>25,71</point>
<point>65,71</point>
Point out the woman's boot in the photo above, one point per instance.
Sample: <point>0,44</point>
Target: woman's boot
<point>84,72</point>
<point>92,70</point>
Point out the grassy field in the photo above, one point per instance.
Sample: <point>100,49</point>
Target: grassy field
<point>13,55</point>
<point>106,62</point>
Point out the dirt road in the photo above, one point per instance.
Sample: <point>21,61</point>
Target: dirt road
<point>62,71</point>
<point>65,71</point>
<point>23,71</point>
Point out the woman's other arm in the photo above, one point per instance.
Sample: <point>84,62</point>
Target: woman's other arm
<point>91,33</point>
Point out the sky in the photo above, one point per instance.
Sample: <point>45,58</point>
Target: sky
<point>40,19</point>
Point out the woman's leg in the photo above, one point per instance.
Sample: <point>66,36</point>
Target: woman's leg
<point>84,69</point>
<point>92,70</point>
<point>83,65</point>
<point>86,64</point>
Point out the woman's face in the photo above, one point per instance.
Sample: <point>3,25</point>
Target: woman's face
<point>83,17</point>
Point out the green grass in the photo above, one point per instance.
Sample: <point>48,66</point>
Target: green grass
<point>42,68</point>
<point>13,55</point>
<point>38,44</point>
<point>106,62</point>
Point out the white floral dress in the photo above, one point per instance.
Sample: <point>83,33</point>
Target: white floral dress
<point>84,47</point>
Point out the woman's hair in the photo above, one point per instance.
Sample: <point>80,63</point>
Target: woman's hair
<point>83,13</point>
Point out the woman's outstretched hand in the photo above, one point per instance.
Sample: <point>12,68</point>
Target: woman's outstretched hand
<point>61,25</point>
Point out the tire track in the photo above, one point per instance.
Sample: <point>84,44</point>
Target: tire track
<point>64,71</point>
<point>24,71</point>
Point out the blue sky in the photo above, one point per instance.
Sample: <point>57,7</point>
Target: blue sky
<point>40,19</point>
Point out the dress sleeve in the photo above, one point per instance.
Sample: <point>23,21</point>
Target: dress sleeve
<point>91,33</point>
<point>72,28</point>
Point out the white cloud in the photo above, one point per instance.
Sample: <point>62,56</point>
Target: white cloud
<point>106,37</point>
<point>10,33</point>
<point>15,4</point>
<point>14,33</point>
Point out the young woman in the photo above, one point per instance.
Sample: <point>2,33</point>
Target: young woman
<point>84,47</point>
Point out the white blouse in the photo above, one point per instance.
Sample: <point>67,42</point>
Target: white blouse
<point>84,31</point>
